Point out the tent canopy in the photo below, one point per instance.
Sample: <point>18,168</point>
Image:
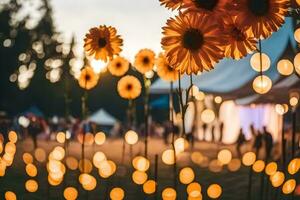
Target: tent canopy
<point>101,117</point>
<point>33,111</point>
<point>230,75</point>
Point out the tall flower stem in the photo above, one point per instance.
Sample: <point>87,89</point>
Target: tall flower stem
<point>183,106</point>
<point>84,99</point>
<point>260,60</point>
<point>171,111</point>
<point>147,84</point>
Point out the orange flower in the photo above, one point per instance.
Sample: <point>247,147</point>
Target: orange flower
<point>103,43</point>
<point>144,60</point>
<point>262,17</point>
<point>118,66</point>
<point>88,78</point>
<point>171,4</point>
<point>216,8</point>
<point>129,87</point>
<point>164,70</point>
<point>192,42</point>
<point>240,42</point>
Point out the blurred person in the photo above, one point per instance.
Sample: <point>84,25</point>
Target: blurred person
<point>204,127</point>
<point>268,138</point>
<point>258,141</point>
<point>34,129</point>
<point>240,141</point>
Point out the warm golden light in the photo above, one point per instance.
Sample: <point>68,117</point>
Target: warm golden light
<point>98,158</point>
<point>27,158</point>
<point>271,168</point>
<point>297,31</point>
<point>100,138</point>
<point>218,99</point>
<point>255,62</point>
<point>294,166</point>
<point>139,177</point>
<point>12,136</point>
<point>208,116</point>
<point>31,185</point>
<point>9,195</point>
<point>40,155</point>
<point>131,137</point>
<point>280,109</point>
<point>61,137</point>
<point>294,101</point>
<point>197,157</point>
<point>258,166</point>
<point>225,156</point>
<point>88,182</point>
<point>277,179</point>
<point>149,187</point>
<point>169,194</point>
<point>248,158</point>
<point>289,186</point>
<point>117,194</point>
<point>31,170</point>
<point>194,190</point>
<point>85,166</point>
<point>186,175</point>
<point>200,96</point>
<point>72,163</point>
<point>262,84</point>
<point>168,157</point>
<point>214,191</point>
<point>297,63</point>
<point>140,163</point>
<point>285,67</point>
<point>70,193</point>
<point>181,145</point>
<point>215,166</point>
<point>234,165</point>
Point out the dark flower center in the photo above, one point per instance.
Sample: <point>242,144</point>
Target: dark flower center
<point>102,42</point>
<point>146,60</point>
<point>87,77</point>
<point>193,39</point>
<point>259,7</point>
<point>206,4</point>
<point>129,87</point>
<point>118,65</point>
<point>170,68</point>
<point>238,34</point>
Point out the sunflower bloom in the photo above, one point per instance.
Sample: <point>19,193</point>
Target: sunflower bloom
<point>192,42</point>
<point>88,78</point>
<point>171,4</point>
<point>164,70</point>
<point>262,17</point>
<point>239,42</point>
<point>214,8</point>
<point>103,43</point>
<point>144,60</point>
<point>118,66</point>
<point>129,87</point>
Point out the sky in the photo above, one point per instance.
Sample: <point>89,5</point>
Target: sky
<point>139,22</point>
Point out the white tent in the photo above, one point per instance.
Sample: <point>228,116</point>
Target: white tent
<point>101,117</point>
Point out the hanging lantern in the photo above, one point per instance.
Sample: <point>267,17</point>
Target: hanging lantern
<point>225,156</point>
<point>139,177</point>
<point>31,185</point>
<point>70,193</point>
<point>100,138</point>
<point>131,137</point>
<point>149,187</point>
<point>289,186</point>
<point>186,175</point>
<point>194,190</point>
<point>271,168</point>
<point>262,84</point>
<point>218,99</point>
<point>258,166</point>
<point>214,191</point>
<point>117,194</point>
<point>248,159</point>
<point>277,179</point>
<point>168,157</point>
<point>294,101</point>
<point>297,33</point>
<point>255,62</point>
<point>234,165</point>
<point>294,166</point>
<point>297,63</point>
<point>285,67</point>
<point>208,116</point>
<point>10,196</point>
<point>169,194</point>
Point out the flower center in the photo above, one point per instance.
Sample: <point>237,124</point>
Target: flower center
<point>259,7</point>
<point>206,4</point>
<point>238,34</point>
<point>102,42</point>
<point>192,39</point>
<point>118,65</point>
<point>146,60</point>
<point>170,68</point>
<point>129,87</point>
<point>87,77</point>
